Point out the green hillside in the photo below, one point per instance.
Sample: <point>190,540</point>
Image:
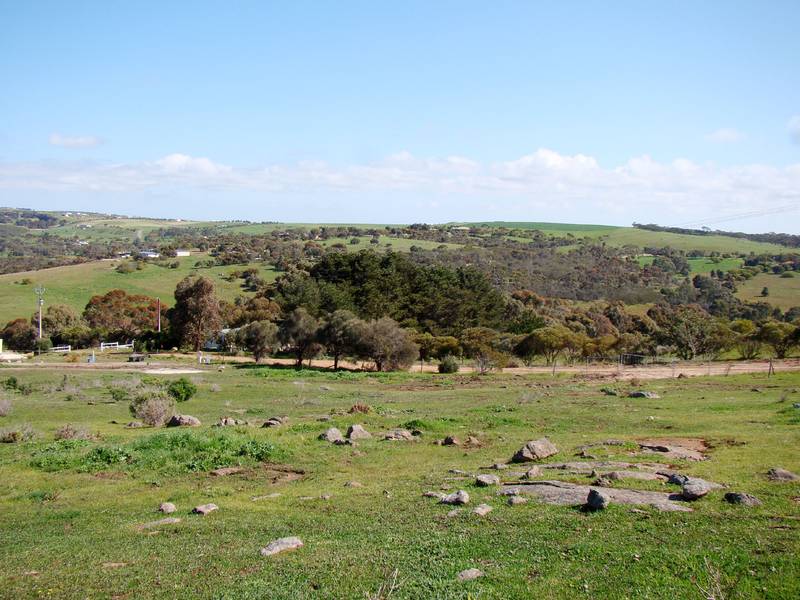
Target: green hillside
<point>73,285</point>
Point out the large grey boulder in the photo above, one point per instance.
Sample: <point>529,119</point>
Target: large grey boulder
<point>742,499</point>
<point>694,489</point>
<point>644,394</point>
<point>183,421</point>
<point>459,497</point>
<point>399,435</point>
<point>535,450</point>
<point>357,432</point>
<point>482,510</point>
<point>282,545</point>
<point>778,474</point>
<point>205,509</point>
<point>487,480</point>
<point>332,435</point>
<point>597,500</point>
<point>167,508</point>
<point>470,574</point>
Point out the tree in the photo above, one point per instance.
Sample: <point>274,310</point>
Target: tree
<point>781,337</point>
<point>765,291</point>
<point>120,314</point>
<point>339,335</point>
<point>300,331</point>
<point>548,342</point>
<point>196,314</point>
<point>690,329</point>
<point>19,335</point>
<point>388,345</point>
<point>747,341</point>
<point>56,319</point>
<point>260,338</point>
<point>479,343</point>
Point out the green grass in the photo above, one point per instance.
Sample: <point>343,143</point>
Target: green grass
<point>60,523</point>
<point>74,285</point>
<point>783,292</point>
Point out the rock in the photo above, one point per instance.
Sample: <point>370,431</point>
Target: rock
<point>454,513</point>
<point>571,494</point>
<point>487,480</point>
<point>795,404</point>
<point>643,476</point>
<point>357,432</point>
<point>459,497</point>
<point>223,471</point>
<point>167,508</point>
<point>204,509</point>
<point>274,422</point>
<point>229,422</point>
<point>533,473</point>
<point>672,450</point>
<point>535,450</point>
<point>159,523</point>
<point>451,441</point>
<point>516,500</point>
<point>508,492</point>
<point>597,500</point>
<point>399,435</point>
<point>498,466</point>
<point>437,495</point>
<point>742,498</point>
<point>778,474</point>
<point>344,442</point>
<point>472,442</point>
<point>325,388</point>
<point>482,510</point>
<point>354,484</point>
<point>325,497</point>
<point>470,574</point>
<point>643,394</point>
<point>183,421</point>
<point>694,489</point>
<point>332,435</point>
<point>134,425</point>
<point>603,482</point>
<point>267,497</point>
<point>282,545</point>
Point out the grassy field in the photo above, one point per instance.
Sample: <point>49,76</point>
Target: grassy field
<point>701,265</point>
<point>74,285</point>
<point>69,511</point>
<point>783,292</point>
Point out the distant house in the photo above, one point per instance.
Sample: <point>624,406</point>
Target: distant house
<point>149,254</point>
<point>183,253</point>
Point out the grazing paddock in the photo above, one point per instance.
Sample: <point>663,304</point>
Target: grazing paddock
<point>79,516</point>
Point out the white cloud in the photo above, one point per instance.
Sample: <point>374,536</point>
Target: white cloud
<point>544,181</point>
<point>79,141</point>
<point>794,128</point>
<point>726,135</point>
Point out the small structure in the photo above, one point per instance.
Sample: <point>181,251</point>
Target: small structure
<point>149,254</point>
<point>183,252</point>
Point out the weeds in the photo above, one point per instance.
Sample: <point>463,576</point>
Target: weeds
<point>16,434</point>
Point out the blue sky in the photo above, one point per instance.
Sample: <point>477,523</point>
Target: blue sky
<point>402,112</point>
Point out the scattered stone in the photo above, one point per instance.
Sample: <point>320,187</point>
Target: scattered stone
<point>571,494</point>
<point>643,476</point>
<point>345,442</point>
<point>482,510</point>
<point>756,390</point>
<point>282,545</point>
<point>159,523</point>
<point>183,421</point>
<point>499,466</point>
<point>778,474</point>
<point>459,497</point>
<point>458,472</point>
<point>597,500</point>
<point>223,471</point>
<point>357,432</point>
<point>229,422</point>
<point>672,450</point>
<point>516,500</point>
<point>603,482</point>
<point>643,394</point>
<point>325,497</point>
<point>437,495</point>
<point>275,422</point>
<point>205,509</point>
<point>533,473</point>
<point>742,498</point>
<point>325,388</point>
<point>682,376</point>
<point>134,425</point>
<point>167,508</point>
<point>472,442</point>
<point>114,565</point>
<point>694,489</point>
<point>535,450</point>
<point>354,484</point>
<point>609,391</point>
<point>487,480</point>
<point>454,513</point>
<point>451,441</point>
<point>267,497</point>
<point>399,435</point>
<point>470,574</point>
<point>332,435</point>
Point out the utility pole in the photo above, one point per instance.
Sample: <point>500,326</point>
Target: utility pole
<point>39,291</point>
<point>158,307</point>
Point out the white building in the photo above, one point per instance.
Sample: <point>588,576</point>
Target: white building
<point>183,253</point>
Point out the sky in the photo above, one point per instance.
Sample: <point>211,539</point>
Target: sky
<point>676,113</point>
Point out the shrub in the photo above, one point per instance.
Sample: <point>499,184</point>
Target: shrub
<point>42,345</point>
<point>15,434</point>
<point>70,432</point>
<point>360,407</point>
<point>153,408</point>
<point>11,383</point>
<point>118,394</point>
<point>72,357</point>
<point>448,365</point>
<point>5,407</point>
<point>182,389</point>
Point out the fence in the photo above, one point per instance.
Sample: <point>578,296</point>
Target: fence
<point>62,349</point>
<point>114,345</point>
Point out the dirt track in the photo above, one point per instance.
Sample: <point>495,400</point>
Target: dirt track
<point>593,371</point>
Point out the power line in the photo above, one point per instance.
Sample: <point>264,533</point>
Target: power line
<point>745,215</point>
